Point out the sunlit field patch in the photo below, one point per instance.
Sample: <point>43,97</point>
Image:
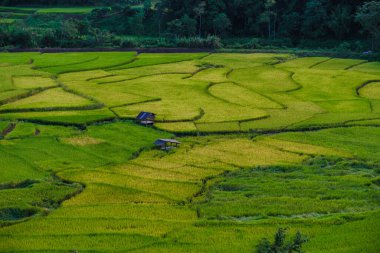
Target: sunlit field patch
<point>242,96</point>
<point>370,67</point>
<point>51,98</point>
<point>30,82</point>
<point>304,62</point>
<point>339,64</point>
<point>371,91</point>
<point>99,60</point>
<point>64,117</point>
<point>82,141</point>
<point>265,79</point>
<point>155,59</point>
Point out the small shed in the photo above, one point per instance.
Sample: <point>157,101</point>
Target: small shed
<point>146,118</point>
<point>167,144</point>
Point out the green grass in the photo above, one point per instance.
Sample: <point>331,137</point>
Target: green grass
<point>370,67</point>
<point>7,20</point>
<point>14,15</point>
<point>239,92</point>
<point>371,91</point>
<point>84,180</point>
<point>62,117</point>
<point>155,59</point>
<point>243,60</point>
<point>338,64</point>
<point>304,62</point>
<point>9,72</point>
<point>48,10</point>
<point>313,190</point>
<point>212,75</point>
<point>24,130</point>
<point>265,79</point>
<point>360,141</point>
<point>65,10</point>
<point>51,98</point>
<point>184,67</point>
<point>19,58</point>
<point>18,9</point>
<point>31,82</point>
<point>236,94</point>
<point>92,61</point>
<point>140,197</point>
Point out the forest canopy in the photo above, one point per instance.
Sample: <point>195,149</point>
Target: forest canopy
<point>290,23</point>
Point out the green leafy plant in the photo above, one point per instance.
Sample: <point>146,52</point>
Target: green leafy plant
<point>280,245</point>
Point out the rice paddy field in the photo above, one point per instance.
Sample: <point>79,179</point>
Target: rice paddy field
<point>268,141</point>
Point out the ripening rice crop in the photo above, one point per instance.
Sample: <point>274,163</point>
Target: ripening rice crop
<point>51,98</point>
<point>80,178</point>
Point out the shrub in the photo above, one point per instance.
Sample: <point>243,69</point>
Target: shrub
<point>280,245</point>
<point>343,47</point>
<point>197,42</point>
<point>213,42</point>
<point>129,43</point>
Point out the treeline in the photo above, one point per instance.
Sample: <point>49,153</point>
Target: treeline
<point>289,23</point>
<point>64,2</point>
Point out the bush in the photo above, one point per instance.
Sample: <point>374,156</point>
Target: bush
<point>197,42</point>
<point>21,37</point>
<point>343,47</point>
<point>280,245</point>
<point>49,39</point>
<point>129,43</point>
<point>253,44</point>
<point>213,42</point>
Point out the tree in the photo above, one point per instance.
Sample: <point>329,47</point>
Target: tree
<point>21,37</point>
<point>266,16</point>
<point>159,14</point>
<point>340,20</point>
<point>280,245</point>
<point>368,15</point>
<point>184,26</point>
<point>221,24</point>
<point>199,11</point>
<point>290,25</point>
<point>49,39</point>
<point>315,16</point>
<point>100,36</point>
<point>137,23</point>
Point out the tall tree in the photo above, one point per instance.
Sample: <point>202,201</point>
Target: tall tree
<point>268,14</point>
<point>368,16</point>
<point>199,11</point>
<point>221,24</point>
<point>315,16</point>
<point>340,20</point>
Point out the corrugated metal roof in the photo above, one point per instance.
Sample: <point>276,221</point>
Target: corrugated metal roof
<point>163,141</point>
<point>145,115</point>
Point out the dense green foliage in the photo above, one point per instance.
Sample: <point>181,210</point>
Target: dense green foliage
<point>347,25</point>
<point>280,245</point>
<point>76,175</point>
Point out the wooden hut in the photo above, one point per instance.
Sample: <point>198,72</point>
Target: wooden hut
<point>167,144</point>
<point>146,118</point>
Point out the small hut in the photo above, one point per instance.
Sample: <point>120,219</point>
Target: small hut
<point>146,118</point>
<point>167,144</point>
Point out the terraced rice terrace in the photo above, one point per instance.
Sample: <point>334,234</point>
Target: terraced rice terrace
<point>267,141</point>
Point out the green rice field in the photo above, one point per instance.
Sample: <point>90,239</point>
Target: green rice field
<point>47,10</point>
<point>268,141</point>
